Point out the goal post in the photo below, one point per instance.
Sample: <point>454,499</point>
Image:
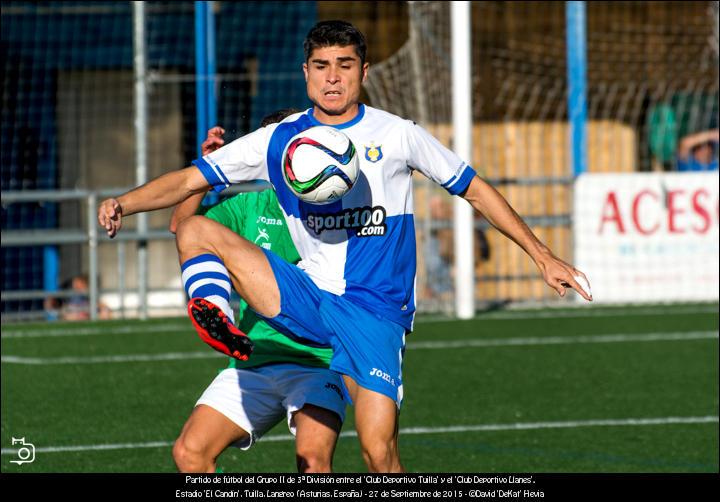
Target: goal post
<point>462,130</point>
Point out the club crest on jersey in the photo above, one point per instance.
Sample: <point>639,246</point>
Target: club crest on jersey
<point>373,153</point>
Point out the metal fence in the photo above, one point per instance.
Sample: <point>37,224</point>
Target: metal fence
<point>91,236</point>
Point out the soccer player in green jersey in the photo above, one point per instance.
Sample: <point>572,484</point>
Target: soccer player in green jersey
<point>285,377</point>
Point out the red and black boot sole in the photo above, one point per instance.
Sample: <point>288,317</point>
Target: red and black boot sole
<point>216,330</point>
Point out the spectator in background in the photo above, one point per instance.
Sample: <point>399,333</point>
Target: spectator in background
<point>440,248</point>
<point>698,152</point>
<point>75,307</point>
<point>438,254</point>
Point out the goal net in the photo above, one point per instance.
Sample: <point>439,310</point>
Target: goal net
<point>651,79</point>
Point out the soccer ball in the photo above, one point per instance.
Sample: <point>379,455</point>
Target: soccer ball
<point>320,165</point>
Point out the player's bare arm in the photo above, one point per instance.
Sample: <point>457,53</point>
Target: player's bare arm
<point>164,191</point>
<point>491,204</point>
<point>189,206</point>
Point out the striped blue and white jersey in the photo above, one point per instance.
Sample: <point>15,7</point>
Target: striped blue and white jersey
<point>362,246</point>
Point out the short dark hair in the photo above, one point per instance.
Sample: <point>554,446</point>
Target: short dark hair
<point>277,116</point>
<point>336,32</point>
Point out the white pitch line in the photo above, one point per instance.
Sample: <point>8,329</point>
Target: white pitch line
<point>558,340</point>
<point>561,425</point>
<point>414,430</point>
<point>448,344</point>
<point>115,330</point>
<point>500,316</point>
<point>94,447</point>
<point>552,313</point>
<point>130,358</point>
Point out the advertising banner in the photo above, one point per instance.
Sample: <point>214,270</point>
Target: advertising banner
<point>648,237</point>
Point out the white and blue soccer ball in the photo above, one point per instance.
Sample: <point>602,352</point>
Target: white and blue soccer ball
<point>320,165</point>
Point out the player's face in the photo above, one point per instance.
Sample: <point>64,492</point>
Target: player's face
<point>334,75</point>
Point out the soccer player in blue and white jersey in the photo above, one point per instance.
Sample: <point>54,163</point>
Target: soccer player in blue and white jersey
<point>354,287</point>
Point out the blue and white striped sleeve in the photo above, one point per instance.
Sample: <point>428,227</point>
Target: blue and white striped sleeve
<point>427,155</point>
<point>238,161</point>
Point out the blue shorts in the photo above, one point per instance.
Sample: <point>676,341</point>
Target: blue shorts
<point>365,346</point>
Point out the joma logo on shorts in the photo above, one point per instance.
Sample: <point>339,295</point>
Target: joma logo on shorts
<point>381,374</point>
<point>334,387</point>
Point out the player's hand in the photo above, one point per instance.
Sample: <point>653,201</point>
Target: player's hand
<point>213,141</point>
<point>560,276</point>
<point>110,216</point>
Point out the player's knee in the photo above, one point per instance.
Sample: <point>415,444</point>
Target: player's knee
<point>381,456</point>
<point>309,461</point>
<point>189,457</point>
<point>190,229</point>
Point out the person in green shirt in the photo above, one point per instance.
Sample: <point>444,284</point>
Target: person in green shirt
<point>285,377</point>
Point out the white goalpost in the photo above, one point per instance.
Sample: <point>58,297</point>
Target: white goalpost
<point>462,127</point>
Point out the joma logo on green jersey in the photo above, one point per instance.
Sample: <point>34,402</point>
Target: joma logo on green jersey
<point>270,221</point>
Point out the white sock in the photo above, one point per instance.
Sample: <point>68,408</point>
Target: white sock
<point>205,276</point>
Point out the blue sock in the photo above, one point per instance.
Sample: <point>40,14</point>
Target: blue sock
<point>205,276</point>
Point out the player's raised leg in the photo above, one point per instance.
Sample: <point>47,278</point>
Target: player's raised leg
<point>247,265</point>
<point>376,422</point>
<point>213,259</point>
<point>204,436</point>
<point>207,284</point>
